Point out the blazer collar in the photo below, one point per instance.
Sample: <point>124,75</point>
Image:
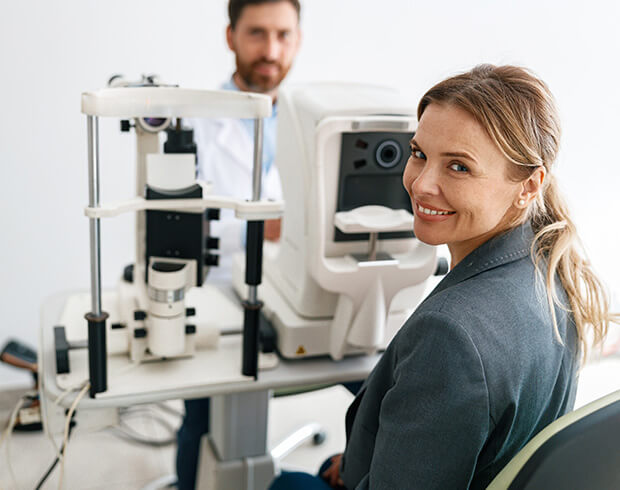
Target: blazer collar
<point>507,247</point>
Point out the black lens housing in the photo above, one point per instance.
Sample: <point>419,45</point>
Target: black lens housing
<point>388,154</point>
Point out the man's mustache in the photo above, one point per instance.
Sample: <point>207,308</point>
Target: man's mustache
<point>264,61</point>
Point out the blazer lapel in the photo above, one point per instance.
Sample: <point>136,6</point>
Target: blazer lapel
<point>352,410</point>
<point>502,249</point>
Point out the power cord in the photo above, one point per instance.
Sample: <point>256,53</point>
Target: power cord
<point>69,425</point>
<point>66,437</point>
<point>55,462</point>
<point>125,431</point>
<point>6,435</point>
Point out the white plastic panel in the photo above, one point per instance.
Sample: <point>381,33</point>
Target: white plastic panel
<point>247,210</point>
<point>170,171</point>
<point>174,102</point>
<point>369,219</point>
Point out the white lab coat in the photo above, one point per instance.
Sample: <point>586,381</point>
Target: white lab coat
<point>225,158</point>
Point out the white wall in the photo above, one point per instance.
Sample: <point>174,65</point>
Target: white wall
<point>52,51</point>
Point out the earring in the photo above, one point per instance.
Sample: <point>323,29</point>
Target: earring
<point>521,202</point>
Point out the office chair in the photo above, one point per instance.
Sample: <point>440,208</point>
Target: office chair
<point>579,450</point>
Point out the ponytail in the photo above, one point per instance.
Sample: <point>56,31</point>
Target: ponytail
<point>557,245</point>
<point>518,112</point>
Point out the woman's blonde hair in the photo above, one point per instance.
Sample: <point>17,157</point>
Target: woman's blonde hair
<point>519,114</point>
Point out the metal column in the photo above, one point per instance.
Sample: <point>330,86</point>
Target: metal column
<point>253,265</point>
<point>97,360</point>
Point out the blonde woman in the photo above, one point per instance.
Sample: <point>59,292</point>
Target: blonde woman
<point>491,356</point>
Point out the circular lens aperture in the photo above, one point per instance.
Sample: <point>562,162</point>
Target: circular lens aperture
<point>154,124</point>
<point>388,154</point>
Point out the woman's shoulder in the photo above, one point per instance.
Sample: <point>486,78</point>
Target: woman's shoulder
<point>494,310</point>
<point>515,282</point>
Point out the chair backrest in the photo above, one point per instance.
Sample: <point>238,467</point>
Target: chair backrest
<point>579,450</point>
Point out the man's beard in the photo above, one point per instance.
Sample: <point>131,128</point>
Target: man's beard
<point>257,82</point>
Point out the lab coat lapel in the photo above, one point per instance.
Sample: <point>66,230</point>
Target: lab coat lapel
<point>234,140</point>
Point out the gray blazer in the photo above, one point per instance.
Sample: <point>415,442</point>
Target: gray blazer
<point>470,378</point>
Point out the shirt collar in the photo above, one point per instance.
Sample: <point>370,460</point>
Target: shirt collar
<point>231,85</point>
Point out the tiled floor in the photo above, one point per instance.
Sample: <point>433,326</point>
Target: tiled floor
<point>102,460</point>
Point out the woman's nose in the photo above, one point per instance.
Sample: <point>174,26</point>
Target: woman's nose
<point>426,182</point>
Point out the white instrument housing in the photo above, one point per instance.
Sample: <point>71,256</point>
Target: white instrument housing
<point>339,282</point>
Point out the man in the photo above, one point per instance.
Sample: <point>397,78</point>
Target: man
<point>264,35</point>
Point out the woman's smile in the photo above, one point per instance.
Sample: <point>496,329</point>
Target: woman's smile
<point>431,213</point>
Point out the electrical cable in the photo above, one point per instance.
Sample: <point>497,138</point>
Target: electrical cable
<point>7,435</point>
<point>72,388</point>
<point>45,413</point>
<point>125,431</point>
<point>66,436</point>
<point>54,463</point>
<point>59,451</point>
<point>170,410</point>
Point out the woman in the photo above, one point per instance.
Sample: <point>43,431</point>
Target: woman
<point>491,356</point>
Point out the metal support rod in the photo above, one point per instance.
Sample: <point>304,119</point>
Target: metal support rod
<point>372,246</point>
<point>253,294</point>
<point>253,265</point>
<point>93,201</point>
<point>257,170</point>
<point>97,352</point>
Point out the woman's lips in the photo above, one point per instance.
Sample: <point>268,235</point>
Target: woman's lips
<point>431,213</point>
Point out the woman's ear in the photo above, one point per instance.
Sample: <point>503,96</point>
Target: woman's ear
<point>531,187</point>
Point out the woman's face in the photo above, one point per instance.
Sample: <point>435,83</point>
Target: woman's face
<point>457,180</point>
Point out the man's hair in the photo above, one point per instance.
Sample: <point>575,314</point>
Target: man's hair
<point>235,7</point>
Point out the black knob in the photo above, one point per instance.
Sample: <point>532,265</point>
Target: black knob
<point>212,260</point>
<point>442,267</point>
<point>125,125</point>
<point>213,243</point>
<point>190,329</point>
<point>139,315</point>
<point>128,273</point>
<point>190,311</point>
<point>212,214</point>
<point>139,333</point>
<point>116,326</point>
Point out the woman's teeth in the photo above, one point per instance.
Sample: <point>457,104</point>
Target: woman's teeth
<point>433,211</point>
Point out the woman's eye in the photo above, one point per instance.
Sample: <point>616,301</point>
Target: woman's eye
<point>458,167</point>
<point>418,154</point>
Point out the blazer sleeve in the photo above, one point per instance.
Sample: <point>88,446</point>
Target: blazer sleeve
<point>434,420</point>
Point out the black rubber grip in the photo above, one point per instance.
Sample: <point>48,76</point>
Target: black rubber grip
<point>61,346</point>
<point>97,353</point>
<point>251,315</point>
<point>254,253</point>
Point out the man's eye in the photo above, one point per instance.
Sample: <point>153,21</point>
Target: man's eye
<point>418,154</point>
<point>459,167</point>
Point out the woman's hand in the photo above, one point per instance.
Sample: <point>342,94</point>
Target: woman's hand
<point>332,474</point>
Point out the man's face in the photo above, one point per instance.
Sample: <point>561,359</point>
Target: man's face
<point>265,42</point>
